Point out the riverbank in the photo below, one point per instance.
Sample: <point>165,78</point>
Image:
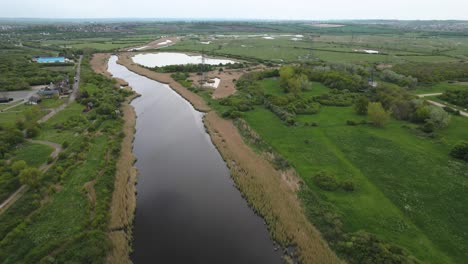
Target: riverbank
<point>123,203</point>
<point>262,185</point>
<point>99,65</point>
<point>197,102</point>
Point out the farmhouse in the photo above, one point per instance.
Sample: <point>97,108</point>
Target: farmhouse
<point>48,91</point>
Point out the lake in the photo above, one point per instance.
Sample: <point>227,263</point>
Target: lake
<point>169,58</point>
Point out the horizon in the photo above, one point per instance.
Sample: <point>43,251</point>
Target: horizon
<point>220,19</point>
<point>295,10</point>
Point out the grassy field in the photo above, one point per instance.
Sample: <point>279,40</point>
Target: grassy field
<point>439,88</point>
<point>67,214</point>
<point>34,154</point>
<point>334,48</point>
<point>404,181</point>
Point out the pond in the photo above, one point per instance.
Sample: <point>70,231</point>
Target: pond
<point>169,58</point>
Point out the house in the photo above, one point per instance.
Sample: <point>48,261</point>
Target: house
<point>48,91</point>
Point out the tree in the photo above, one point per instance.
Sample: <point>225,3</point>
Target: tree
<point>360,106</point>
<point>286,73</point>
<point>293,86</point>
<point>30,176</point>
<point>460,151</point>
<point>438,117</point>
<point>378,116</point>
<point>401,110</point>
<point>18,166</point>
<point>304,82</point>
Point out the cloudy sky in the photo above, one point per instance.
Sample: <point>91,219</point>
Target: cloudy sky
<point>241,9</point>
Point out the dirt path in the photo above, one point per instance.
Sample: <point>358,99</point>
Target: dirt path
<point>429,94</point>
<point>13,198</point>
<point>462,113</point>
<point>20,102</point>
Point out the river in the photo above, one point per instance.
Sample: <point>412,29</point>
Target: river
<point>188,209</point>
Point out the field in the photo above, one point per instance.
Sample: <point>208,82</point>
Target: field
<point>404,181</point>
<point>334,48</point>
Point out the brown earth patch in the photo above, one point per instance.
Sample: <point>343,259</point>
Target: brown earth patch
<point>227,85</point>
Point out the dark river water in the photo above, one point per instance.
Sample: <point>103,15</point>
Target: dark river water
<point>188,210</point>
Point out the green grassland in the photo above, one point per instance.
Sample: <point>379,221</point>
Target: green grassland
<point>439,88</point>
<point>34,154</point>
<point>408,190</point>
<point>334,48</point>
<point>65,218</point>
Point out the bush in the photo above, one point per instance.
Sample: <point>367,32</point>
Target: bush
<point>379,117</point>
<point>65,144</point>
<point>351,123</point>
<point>460,151</point>
<point>361,104</point>
<point>233,114</point>
<point>32,132</point>
<point>30,176</point>
<point>365,248</point>
<point>348,186</point>
<point>428,127</point>
<point>451,110</point>
<point>18,166</point>
<point>326,181</point>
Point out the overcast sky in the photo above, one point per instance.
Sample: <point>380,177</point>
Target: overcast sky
<point>237,9</point>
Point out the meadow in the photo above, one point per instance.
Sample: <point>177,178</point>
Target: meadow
<point>403,180</point>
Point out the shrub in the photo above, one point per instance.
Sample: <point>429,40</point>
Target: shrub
<point>451,110</point>
<point>65,144</point>
<point>233,114</point>
<point>30,176</point>
<point>351,123</point>
<point>460,151</point>
<point>361,104</point>
<point>18,166</point>
<point>428,127</point>
<point>348,186</point>
<point>32,132</point>
<point>438,117</point>
<point>326,181</point>
<point>365,248</point>
<point>379,117</point>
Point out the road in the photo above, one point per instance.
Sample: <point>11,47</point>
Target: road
<point>462,113</point>
<point>71,98</point>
